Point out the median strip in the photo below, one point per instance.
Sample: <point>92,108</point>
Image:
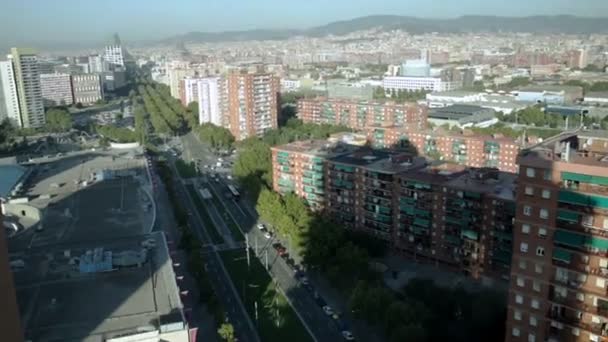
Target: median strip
<point>208,224</point>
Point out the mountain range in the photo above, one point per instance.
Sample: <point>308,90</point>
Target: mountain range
<point>535,24</point>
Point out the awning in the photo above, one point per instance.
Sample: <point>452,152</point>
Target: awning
<point>470,234</point>
<point>562,255</point>
<point>568,216</point>
<point>569,238</point>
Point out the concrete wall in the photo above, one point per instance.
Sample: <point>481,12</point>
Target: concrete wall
<point>125,146</point>
<point>16,209</point>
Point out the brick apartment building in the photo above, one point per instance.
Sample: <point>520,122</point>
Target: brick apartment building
<point>469,150</point>
<point>252,103</point>
<point>559,272</point>
<point>442,213</point>
<point>362,114</point>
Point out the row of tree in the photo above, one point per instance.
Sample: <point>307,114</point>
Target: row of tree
<point>218,137</point>
<point>400,95</point>
<point>536,116</point>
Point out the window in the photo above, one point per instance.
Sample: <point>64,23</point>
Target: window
<point>529,191</point>
<point>600,282</point>
<point>517,315</point>
<point>515,332</point>
<point>580,297</point>
<point>544,213</point>
<point>575,331</point>
<point>533,321</point>
<point>522,264</point>
<point>523,247</point>
<point>603,263</point>
<point>546,194</point>
<point>538,268</point>
<point>535,304</point>
<point>531,338</point>
<point>536,285</point>
<point>587,220</point>
<point>519,299</point>
<point>527,210</point>
<point>530,172</point>
<point>540,251</point>
<point>525,228</point>
<point>605,225</point>
<point>521,282</point>
<point>542,233</point>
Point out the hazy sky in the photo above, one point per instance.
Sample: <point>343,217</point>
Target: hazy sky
<point>31,21</point>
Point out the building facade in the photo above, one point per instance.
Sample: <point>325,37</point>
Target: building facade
<point>9,106</point>
<point>361,114</point>
<point>114,54</point>
<point>29,93</point>
<point>209,101</point>
<point>56,89</point>
<point>559,273</point>
<point>469,150</point>
<point>409,83</point>
<point>253,103</point>
<point>87,88</point>
<point>96,64</point>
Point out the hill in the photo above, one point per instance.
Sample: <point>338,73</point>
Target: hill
<point>536,24</point>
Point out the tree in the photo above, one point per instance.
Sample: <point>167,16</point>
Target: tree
<point>409,333</point>
<point>58,120</point>
<point>226,332</point>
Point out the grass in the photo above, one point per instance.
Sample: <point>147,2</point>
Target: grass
<point>209,226</point>
<point>232,225</point>
<point>276,319</point>
<point>185,170</point>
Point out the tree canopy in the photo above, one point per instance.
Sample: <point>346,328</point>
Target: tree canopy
<point>218,137</point>
<point>58,120</point>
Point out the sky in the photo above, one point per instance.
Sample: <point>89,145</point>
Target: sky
<point>38,21</point>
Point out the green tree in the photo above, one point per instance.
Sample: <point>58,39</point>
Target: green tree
<point>226,332</point>
<point>58,120</point>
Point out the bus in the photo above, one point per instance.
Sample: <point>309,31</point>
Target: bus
<point>233,191</point>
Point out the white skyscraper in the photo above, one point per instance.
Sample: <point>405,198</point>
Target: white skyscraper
<point>209,101</point>
<point>114,55</point>
<point>9,105</point>
<point>96,64</point>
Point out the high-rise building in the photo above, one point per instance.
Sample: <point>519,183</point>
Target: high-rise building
<point>10,322</point>
<point>253,103</point>
<point>114,53</point>
<point>96,64</point>
<point>56,89</point>
<point>559,274</point>
<point>29,94</point>
<point>9,104</point>
<point>87,88</point>
<point>209,98</point>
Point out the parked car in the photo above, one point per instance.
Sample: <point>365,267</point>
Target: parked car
<point>267,235</point>
<point>328,310</point>
<point>261,226</point>
<point>348,335</point>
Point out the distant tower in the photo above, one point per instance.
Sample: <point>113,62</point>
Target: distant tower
<point>114,54</point>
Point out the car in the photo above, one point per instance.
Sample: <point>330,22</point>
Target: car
<point>268,235</point>
<point>261,226</point>
<point>304,281</point>
<point>348,335</point>
<point>328,310</point>
<point>335,316</point>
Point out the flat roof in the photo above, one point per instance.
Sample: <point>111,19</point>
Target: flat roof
<point>322,148</point>
<point>9,177</point>
<point>459,93</point>
<point>381,160</point>
<point>59,303</point>
<point>503,186</point>
<point>536,88</point>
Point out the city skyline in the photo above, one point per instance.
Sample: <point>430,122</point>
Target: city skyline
<point>29,27</point>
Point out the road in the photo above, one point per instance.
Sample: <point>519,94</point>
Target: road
<point>220,280</point>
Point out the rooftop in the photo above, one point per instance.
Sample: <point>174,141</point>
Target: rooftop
<point>459,111</point>
<point>9,177</point>
<point>455,93</point>
<point>381,160</point>
<point>57,302</point>
<point>319,148</point>
<point>556,88</point>
<point>487,181</point>
<point>576,147</point>
<point>437,173</point>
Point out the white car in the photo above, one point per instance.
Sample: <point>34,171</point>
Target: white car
<point>348,335</point>
<point>267,235</point>
<point>261,226</point>
<point>328,311</point>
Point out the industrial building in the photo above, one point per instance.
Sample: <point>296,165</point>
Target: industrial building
<point>559,273</point>
<point>462,116</point>
<point>362,114</point>
<point>555,95</point>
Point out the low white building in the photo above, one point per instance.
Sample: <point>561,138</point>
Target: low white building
<point>417,83</point>
<point>289,85</point>
<point>445,98</point>
<point>504,103</point>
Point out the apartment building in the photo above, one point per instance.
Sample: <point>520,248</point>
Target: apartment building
<point>27,82</point>
<point>469,150</point>
<point>56,89</point>
<point>362,114</point>
<point>298,167</point>
<point>559,272</point>
<point>252,103</point>
<point>87,88</point>
<point>9,106</point>
<point>10,324</point>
